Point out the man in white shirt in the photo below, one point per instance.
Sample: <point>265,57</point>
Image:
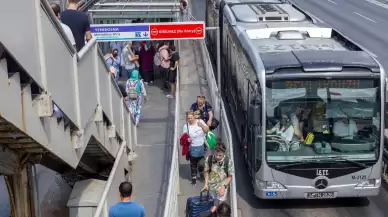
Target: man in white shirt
<point>57,10</point>
<point>345,128</point>
<point>283,128</point>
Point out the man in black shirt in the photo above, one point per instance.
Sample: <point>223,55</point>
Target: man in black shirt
<point>78,22</point>
<point>174,61</point>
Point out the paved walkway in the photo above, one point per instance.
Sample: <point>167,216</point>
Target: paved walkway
<point>193,83</point>
<point>150,170</point>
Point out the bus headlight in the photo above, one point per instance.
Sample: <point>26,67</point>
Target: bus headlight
<point>369,183</point>
<point>269,185</point>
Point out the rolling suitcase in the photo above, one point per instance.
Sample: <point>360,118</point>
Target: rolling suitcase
<point>199,204</point>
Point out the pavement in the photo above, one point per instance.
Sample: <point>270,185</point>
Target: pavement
<point>150,170</point>
<point>193,83</point>
<point>365,22</point>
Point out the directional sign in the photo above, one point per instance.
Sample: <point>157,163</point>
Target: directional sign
<point>148,31</point>
<point>171,31</point>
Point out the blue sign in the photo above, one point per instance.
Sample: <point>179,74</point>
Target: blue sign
<point>271,194</point>
<point>120,32</point>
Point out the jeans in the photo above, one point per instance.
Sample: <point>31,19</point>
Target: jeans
<point>197,165</point>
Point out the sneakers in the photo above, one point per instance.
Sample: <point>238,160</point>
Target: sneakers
<point>170,96</point>
<point>194,180</point>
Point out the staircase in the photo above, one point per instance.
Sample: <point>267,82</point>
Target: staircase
<point>58,108</point>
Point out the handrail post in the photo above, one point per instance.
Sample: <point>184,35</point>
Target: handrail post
<point>101,204</point>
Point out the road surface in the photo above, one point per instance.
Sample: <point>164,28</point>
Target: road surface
<point>364,21</point>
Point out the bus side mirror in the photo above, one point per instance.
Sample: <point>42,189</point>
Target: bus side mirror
<point>254,114</point>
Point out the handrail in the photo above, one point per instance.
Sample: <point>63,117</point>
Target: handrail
<point>57,25</point>
<point>101,204</point>
<point>224,121</point>
<point>175,153</point>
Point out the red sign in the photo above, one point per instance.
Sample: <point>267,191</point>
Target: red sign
<point>189,30</point>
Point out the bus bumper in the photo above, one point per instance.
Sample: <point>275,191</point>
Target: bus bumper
<point>305,192</point>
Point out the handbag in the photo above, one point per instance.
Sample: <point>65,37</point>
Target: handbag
<point>214,124</point>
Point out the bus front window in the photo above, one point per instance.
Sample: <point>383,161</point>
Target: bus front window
<point>318,119</point>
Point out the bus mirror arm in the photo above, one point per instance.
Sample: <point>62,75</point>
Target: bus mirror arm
<point>254,114</point>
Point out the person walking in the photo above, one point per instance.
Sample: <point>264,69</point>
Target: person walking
<point>173,70</point>
<point>129,58</point>
<point>136,93</point>
<point>112,60</point>
<point>57,11</point>
<point>146,55</point>
<point>78,22</point>
<point>196,130</point>
<point>126,207</point>
<point>218,173</point>
<point>164,55</point>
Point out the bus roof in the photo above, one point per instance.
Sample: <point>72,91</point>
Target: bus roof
<point>276,30</point>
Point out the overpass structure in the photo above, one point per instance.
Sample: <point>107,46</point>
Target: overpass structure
<point>63,110</point>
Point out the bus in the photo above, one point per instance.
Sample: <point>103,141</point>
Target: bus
<point>307,102</point>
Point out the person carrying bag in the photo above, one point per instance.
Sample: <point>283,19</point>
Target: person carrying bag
<point>196,130</point>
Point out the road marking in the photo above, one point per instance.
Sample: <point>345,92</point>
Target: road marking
<point>367,18</point>
<point>333,2</point>
<point>380,4</point>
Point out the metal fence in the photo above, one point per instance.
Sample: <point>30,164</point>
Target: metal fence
<point>224,132</point>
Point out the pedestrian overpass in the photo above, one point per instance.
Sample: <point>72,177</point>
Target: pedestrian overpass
<point>63,110</point>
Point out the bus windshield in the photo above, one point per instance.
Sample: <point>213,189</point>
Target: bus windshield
<point>318,119</point>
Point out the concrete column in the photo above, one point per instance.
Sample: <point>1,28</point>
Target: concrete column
<point>21,192</point>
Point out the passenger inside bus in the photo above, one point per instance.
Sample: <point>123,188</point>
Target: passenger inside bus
<point>284,128</point>
<point>345,128</point>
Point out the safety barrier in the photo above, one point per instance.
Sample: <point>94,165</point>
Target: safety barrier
<point>171,207</point>
<point>224,132</point>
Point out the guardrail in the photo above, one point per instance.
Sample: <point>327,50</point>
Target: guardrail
<point>224,132</point>
<point>224,129</point>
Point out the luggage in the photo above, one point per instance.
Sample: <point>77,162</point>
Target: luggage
<point>199,204</point>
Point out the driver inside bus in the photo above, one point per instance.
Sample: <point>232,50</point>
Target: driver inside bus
<point>283,128</point>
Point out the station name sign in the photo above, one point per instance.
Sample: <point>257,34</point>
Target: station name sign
<point>148,31</point>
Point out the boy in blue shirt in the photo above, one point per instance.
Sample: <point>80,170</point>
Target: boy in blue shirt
<point>126,207</point>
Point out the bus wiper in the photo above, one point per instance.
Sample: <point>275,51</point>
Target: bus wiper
<point>349,161</point>
<point>296,163</point>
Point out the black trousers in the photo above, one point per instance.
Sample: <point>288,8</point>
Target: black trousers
<point>148,76</point>
<point>197,166</point>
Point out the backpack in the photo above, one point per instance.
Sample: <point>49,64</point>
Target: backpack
<point>132,89</point>
<point>157,59</point>
<point>226,164</point>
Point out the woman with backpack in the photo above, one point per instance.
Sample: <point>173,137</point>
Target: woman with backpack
<point>195,130</point>
<point>136,93</point>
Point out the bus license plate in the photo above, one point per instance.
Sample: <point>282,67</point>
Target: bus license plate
<point>320,195</point>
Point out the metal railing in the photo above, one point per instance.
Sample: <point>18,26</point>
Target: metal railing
<point>224,129</point>
<point>224,132</point>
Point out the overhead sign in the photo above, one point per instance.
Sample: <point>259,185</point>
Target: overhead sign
<point>148,31</point>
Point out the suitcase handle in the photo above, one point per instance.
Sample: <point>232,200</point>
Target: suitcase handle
<point>204,198</point>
